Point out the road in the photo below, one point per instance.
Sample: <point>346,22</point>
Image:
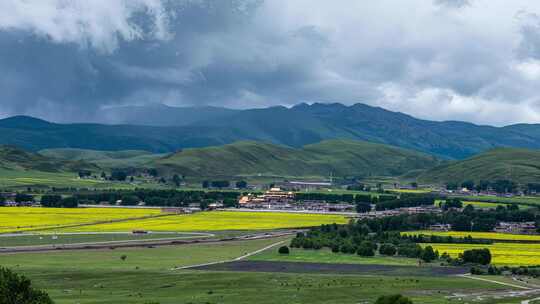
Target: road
<point>145,243</point>
<point>235,259</point>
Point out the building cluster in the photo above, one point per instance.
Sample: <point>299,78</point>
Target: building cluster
<point>278,199</point>
<point>502,227</point>
<point>399,211</point>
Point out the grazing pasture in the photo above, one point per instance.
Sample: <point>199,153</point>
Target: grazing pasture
<point>144,275</point>
<point>218,220</point>
<point>325,255</point>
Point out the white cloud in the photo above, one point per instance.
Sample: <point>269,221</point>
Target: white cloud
<point>90,23</point>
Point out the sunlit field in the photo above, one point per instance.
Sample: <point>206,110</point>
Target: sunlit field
<point>31,218</point>
<point>217,220</point>
<point>484,205</point>
<point>481,235</point>
<point>515,254</point>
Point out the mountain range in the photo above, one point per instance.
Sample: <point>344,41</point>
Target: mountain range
<point>303,124</point>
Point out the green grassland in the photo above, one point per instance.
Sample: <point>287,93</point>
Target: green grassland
<point>103,159</point>
<point>519,165</point>
<point>10,178</point>
<point>145,276</point>
<point>62,239</point>
<point>326,256</point>
<point>339,157</point>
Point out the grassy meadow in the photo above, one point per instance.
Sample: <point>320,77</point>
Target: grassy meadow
<point>218,220</point>
<point>325,255</point>
<point>145,276</point>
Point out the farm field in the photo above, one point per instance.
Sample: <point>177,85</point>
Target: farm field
<point>500,237</point>
<point>511,254</point>
<point>325,255</point>
<point>218,220</point>
<point>32,218</point>
<point>145,276</point>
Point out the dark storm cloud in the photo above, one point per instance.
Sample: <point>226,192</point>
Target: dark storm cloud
<point>240,53</point>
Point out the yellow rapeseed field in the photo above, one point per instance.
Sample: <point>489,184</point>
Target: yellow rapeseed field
<point>513,254</point>
<point>30,218</point>
<point>219,220</point>
<point>481,235</point>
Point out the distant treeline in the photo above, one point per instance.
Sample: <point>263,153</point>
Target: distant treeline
<point>169,198</point>
<point>500,186</point>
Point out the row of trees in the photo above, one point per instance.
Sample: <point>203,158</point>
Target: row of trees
<point>220,184</point>
<point>499,186</point>
<point>56,201</point>
<point>165,198</point>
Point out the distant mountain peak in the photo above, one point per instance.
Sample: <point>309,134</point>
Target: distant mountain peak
<point>24,122</point>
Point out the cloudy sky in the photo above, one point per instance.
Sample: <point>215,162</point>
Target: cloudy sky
<point>473,60</point>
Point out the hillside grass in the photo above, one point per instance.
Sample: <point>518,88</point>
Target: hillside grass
<point>104,159</point>
<point>519,165</point>
<point>336,157</point>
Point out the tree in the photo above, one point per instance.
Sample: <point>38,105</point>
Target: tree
<point>153,172</point>
<point>476,256</point>
<point>452,186</point>
<point>363,207</point>
<point>365,250</point>
<point>23,198</point>
<point>130,200</point>
<point>85,173</point>
<point>118,175</point>
<point>388,249</point>
<point>206,184</point>
<point>220,184</point>
<point>428,254</point>
<point>103,175</point>
<point>468,184</point>
<point>241,184</point>
<point>49,200</point>
<point>393,299</point>
<point>283,250</point>
<point>2,201</point>
<point>176,180</point>
<point>69,202</point>
<point>15,289</point>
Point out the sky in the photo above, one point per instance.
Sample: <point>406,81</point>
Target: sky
<point>471,60</point>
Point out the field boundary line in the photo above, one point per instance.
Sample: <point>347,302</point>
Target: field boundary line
<point>232,260</point>
<point>495,282</point>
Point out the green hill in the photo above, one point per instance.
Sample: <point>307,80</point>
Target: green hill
<point>103,159</point>
<point>519,165</point>
<point>337,157</point>
<point>12,158</point>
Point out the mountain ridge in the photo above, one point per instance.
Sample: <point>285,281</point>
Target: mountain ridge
<point>297,126</point>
